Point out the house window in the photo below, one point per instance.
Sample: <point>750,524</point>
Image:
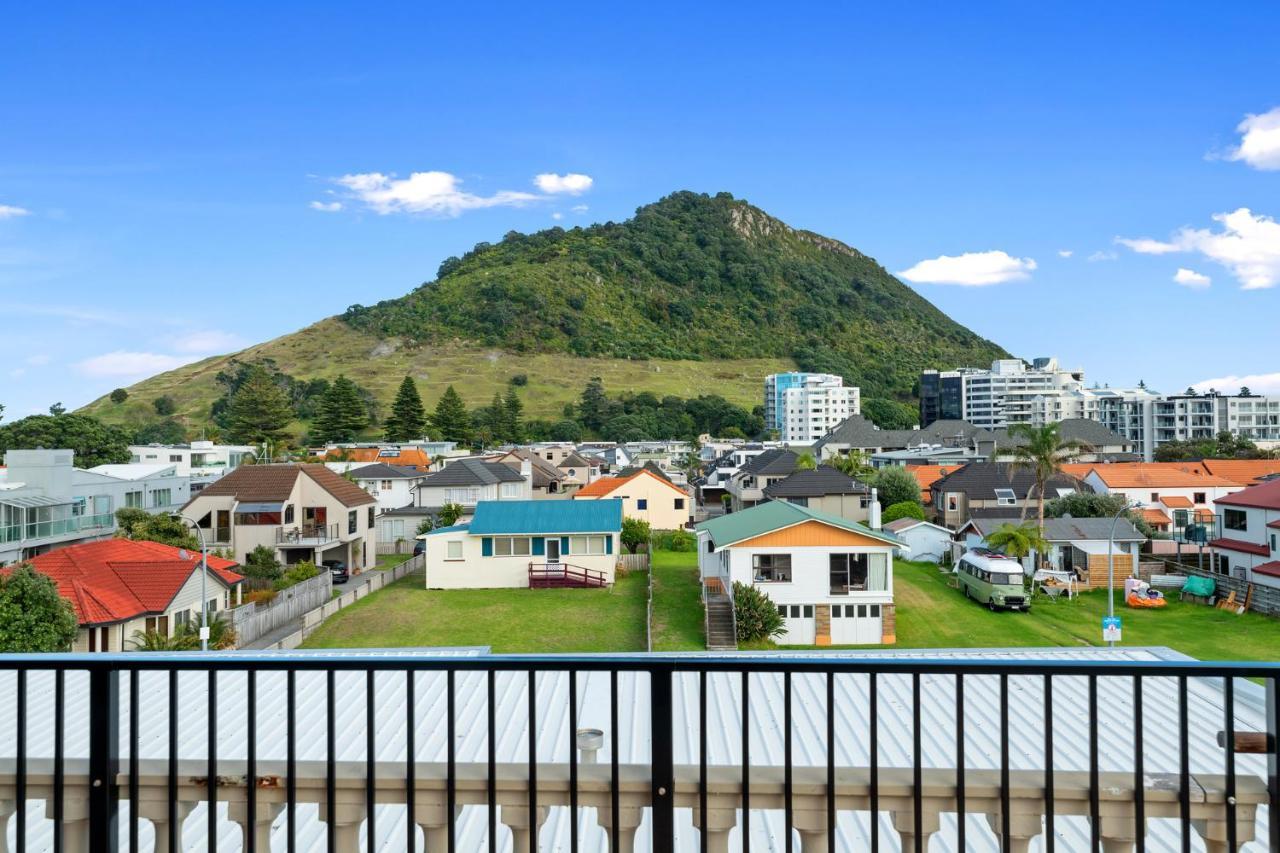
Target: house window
<point>1235,519</point>
<point>466,497</point>
<point>848,573</point>
<point>642,503</point>
<point>771,568</point>
<point>587,545</point>
<point>511,546</point>
<point>952,503</point>
<point>133,499</point>
<point>1198,498</point>
<point>353,521</point>
<point>288,514</point>
<point>798,501</point>
<point>160,497</point>
<point>157,625</point>
<point>511,490</point>
<point>1006,497</point>
<point>373,511</point>
<point>1155,497</point>
<point>385,485</point>
<point>679,503</point>
<point>453,550</point>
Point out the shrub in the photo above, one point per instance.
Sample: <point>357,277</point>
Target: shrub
<point>297,573</point>
<point>895,485</point>
<point>260,596</point>
<point>676,540</point>
<point>635,532</point>
<point>119,396</point>
<point>262,563</point>
<point>903,509</point>
<point>757,616</point>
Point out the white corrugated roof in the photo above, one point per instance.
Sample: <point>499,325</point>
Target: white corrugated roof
<point>632,742</point>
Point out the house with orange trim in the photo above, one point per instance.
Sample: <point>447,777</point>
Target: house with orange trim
<point>830,578</point>
<point>644,495</point>
<point>1170,494</point>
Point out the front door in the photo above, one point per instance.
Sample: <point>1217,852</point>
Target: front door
<point>553,550</point>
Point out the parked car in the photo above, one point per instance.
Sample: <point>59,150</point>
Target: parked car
<point>337,570</point>
<point>419,547</point>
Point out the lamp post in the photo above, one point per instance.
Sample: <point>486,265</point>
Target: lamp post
<point>204,580</point>
<point>1111,561</point>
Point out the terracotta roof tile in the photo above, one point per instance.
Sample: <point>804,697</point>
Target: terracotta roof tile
<point>1245,472</point>
<point>1129,475</point>
<point>1155,517</point>
<point>605,485</point>
<point>1176,502</point>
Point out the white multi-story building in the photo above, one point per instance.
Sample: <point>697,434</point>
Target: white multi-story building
<point>1125,411</point>
<point>202,461</point>
<point>993,399</point>
<point>803,407</point>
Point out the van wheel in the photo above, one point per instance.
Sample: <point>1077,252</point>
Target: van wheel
<point>991,605</point>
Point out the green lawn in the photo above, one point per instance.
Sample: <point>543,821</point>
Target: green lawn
<point>677,602</point>
<point>390,561</point>
<point>404,614</point>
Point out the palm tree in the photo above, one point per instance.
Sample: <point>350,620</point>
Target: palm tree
<point>154,641</point>
<point>1018,540</point>
<point>852,464</point>
<point>1042,454</point>
<point>806,462</point>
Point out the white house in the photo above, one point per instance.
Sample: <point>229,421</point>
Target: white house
<point>155,487</point>
<point>43,506</point>
<point>529,543</point>
<point>392,486</point>
<point>467,482</point>
<point>921,540</point>
<point>202,461</point>
<point>1248,546</point>
<point>831,578</point>
<point>1169,492</point>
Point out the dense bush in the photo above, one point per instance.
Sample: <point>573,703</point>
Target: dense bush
<point>903,509</point>
<point>262,563</point>
<point>895,485</point>
<point>676,540</point>
<point>297,573</point>
<point>757,616</point>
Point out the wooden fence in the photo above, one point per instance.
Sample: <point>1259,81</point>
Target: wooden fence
<point>378,579</point>
<point>1262,599</point>
<point>633,562</point>
<point>255,620</point>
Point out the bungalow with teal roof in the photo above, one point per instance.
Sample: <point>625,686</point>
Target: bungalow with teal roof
<point>830,578</point>
<point>533,544</point>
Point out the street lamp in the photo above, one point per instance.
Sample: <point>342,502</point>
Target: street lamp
<point>1111,560</point>
<point>204,579</point>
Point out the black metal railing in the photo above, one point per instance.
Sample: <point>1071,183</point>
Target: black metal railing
<point>810,753</point>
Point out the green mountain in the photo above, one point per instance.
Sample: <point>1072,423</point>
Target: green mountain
<point>693,295</point>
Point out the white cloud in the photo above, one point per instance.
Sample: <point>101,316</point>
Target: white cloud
<point>1191,278</point>
<point>572,183</point>
<point>17,373</point>
<point>38,360</point>
<point>1248,246</point>
<point>208,342</point>
<point>326,206</point>
<point>1257,383</point>
<point>1065,253</point>
<point>1101,256</point>
<point>557,216</point>
<point>1259,141</point>
<point>972,269</point>
<point>122,363</point>
<point>8,211</point>
<point>435,193</point>
<point>579,208</point>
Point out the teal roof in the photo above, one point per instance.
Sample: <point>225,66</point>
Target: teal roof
<point>453,528</point>
<point>774,515</point>
<point>547,516</point>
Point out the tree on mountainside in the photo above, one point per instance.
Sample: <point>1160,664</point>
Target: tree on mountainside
<point>167,431</point>
<point>164,405</point>
<point>593,405</point>
<point>259,410</point>
<point>342,413</point>
<point>408,419</point>
<point>119,395</point>
<point>93,442</point>
<point>450,418</point>
<point>513,410</point>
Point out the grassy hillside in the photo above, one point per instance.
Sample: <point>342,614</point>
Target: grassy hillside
<point>330,347</point>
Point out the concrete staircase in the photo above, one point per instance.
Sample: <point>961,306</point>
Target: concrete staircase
<point>721,635</point>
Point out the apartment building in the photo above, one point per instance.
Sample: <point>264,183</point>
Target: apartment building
<point>201,461</point>
<point>803,407</point>
<point>1005,394</point>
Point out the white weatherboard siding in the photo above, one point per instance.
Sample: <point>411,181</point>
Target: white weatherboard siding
<point>476,571</point>
<point>981,749</point>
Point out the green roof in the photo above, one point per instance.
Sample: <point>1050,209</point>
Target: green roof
<point>774,515</point>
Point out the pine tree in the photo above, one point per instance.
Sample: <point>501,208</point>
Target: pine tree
<point>259,409</point>
<point>513,411</point>
<point>497,419</point>
<point>593,404</point>
<point>342,413</point>
<point>450,418</point>
<point>408,419</point>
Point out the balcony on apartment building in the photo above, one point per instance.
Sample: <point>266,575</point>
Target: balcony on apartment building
<point>309,535</point>
<point>30,518</point>
<point>461,750</point>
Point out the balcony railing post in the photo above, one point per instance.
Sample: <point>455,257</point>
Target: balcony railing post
<point>1273,761</point>
<point>104,760</point>
<point>663,760</point>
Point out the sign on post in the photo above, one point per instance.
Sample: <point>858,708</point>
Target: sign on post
<point>1110,629</point>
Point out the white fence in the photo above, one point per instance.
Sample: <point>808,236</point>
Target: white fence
<point>255,620</point>
<point>377,580</point>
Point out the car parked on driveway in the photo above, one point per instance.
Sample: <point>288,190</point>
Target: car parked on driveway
<point>337,570</point>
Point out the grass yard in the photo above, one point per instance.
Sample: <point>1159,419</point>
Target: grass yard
<point>677,602</point>
<point>390,561</point>
<point>404,614</point>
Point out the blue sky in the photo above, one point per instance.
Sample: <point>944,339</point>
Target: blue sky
<point>158,167</point>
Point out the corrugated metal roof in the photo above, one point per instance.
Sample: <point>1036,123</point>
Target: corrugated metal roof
<point>547,516</point>
<point>894,748</point>
<point>32,501</point>
<point>772,515</point>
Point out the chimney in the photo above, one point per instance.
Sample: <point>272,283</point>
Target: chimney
<point>873,517</point>
<point>526,468</point>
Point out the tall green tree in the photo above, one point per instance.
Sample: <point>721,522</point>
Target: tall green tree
<point>138,524</point>
<point>34,617</point>
<point>513,410</point>
<point>342,415</point>
<point>895,485</point>
<point>1042,452</point>
<point>495,420</point>
<point>450,418</point>
<point>259,409</point>
<point>806,462</point>
<point>408,419</point>
<point>593,405</point>
<point>94,442</point>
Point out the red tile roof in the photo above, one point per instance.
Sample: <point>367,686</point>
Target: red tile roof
<point>1174,475</point>
<point>1241,546</point>
<point>606,485</point>
<point>414,457</point>
<point>1176,502</point>
<point>1155,517</point>
<point>1271,569</point>
<point>1246,472</point>
<point>927,475</point>
<point>117,579</point>
<point>1262,496</point>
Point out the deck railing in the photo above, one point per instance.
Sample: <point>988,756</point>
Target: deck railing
<point>316,752</point>
<point>564,574</point>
